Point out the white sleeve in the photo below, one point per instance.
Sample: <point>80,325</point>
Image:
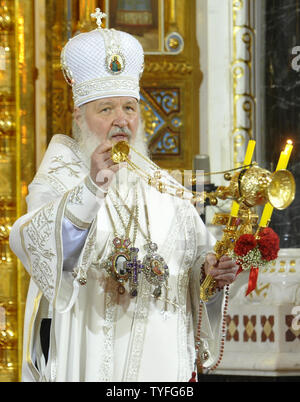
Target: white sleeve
<point>73,241</point>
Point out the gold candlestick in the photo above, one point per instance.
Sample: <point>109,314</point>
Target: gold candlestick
<point>221,248</point>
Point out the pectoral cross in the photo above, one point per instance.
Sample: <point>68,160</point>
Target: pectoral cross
<point>99,16</point>
<point>134,267</point>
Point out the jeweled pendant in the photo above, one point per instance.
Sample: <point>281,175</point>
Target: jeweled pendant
<point>115,264</point>
<point>155,268</point>
<point>82,281</point>
<point>157,292</point>
<point>121,289</point>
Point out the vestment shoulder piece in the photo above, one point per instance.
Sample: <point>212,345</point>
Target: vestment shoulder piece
<point>63,165</point>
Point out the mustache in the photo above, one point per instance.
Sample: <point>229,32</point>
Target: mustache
<point>120,130</point>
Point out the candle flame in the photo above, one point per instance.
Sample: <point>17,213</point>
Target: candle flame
<point>288,147</point>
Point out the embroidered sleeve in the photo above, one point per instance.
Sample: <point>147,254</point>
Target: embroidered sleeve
<point>83,204</point>
<point>36,238</point>
<point>61,189</point>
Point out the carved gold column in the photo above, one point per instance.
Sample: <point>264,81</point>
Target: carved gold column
<point>86,7</point>
<point>16,169</point>
<point>243,77</point>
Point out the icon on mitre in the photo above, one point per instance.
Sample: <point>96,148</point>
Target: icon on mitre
<point>116,64</point>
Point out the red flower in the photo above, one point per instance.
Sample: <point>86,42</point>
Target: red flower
<point>244,244</point>
<point>268,244</point>
<point>267,232</point>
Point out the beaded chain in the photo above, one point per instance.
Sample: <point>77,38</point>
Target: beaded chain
<point>172,186</point>
<point>223,333</point>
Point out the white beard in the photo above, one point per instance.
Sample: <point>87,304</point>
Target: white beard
<point>88,142</point>
<point>123,179</point>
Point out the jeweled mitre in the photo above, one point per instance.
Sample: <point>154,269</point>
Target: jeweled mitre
<point>102,63</point>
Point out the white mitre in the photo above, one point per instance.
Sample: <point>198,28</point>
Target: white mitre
<point>102,63</point>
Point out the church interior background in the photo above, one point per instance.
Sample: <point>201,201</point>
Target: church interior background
<point>217,73</point>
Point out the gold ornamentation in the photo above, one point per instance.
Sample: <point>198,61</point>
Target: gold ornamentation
<point>256,186</point>
<point>251,187</point>
<point>153,265</point>
<point>182,68</point>
<point>120,152</point>
<point>222,247</point>
<point>155,268</point>
<point>174,43</point>
<point>122,264</point>
<point>16,169</point>
<point>242,75</point>
<point>151,122</point>
<point>116,263</point>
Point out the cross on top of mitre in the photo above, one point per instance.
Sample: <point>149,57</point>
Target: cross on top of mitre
<point>99,16</point>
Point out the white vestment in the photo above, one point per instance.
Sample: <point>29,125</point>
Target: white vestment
<point>96,333</point>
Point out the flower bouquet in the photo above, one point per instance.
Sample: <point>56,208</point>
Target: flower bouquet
<point>253,252</point>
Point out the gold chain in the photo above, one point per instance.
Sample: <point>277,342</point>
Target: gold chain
<point>166,184</point>
<point>178,190</point>
<point>161,186</point>
<point>137,224</point>
<point>205,174</point>
<point>133,216</point>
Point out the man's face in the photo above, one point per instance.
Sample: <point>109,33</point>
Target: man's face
<point>115,118</point>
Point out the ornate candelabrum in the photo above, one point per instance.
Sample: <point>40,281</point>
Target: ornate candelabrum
<point>249,187</point>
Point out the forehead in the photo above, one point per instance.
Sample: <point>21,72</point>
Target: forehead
<point>117,100</point>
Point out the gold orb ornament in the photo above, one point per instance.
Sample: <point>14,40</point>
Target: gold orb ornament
<point>120,152</point>
<point>227,176</point>
<point>213,201</point>
<point>258,186</point>
<point>282,189</point>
